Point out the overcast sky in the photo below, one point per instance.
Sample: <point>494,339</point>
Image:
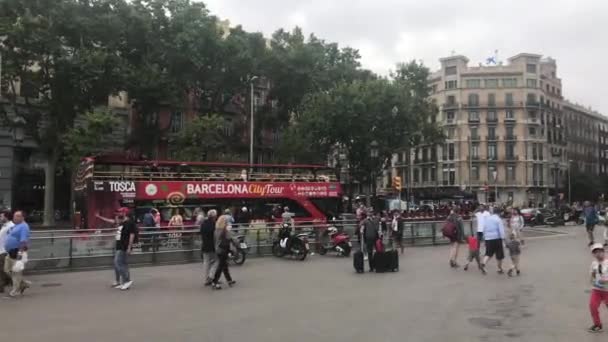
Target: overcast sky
<point>575,33</point>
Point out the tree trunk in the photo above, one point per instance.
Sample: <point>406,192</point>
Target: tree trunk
<point>49,190</point>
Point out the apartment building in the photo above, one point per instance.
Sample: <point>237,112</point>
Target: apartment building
<point>587,133</point>
<point>506,136</point>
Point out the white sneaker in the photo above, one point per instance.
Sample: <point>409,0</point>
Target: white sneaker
<point>365,258</point>
<point>126,285</point>
<point>116,285</point>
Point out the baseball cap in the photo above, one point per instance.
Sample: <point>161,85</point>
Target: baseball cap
<point>596,246</point>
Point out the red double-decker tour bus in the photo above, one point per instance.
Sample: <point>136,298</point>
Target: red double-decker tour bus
<point>104,183</point>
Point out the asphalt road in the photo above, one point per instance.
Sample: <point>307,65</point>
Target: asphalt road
<point>320,299</point>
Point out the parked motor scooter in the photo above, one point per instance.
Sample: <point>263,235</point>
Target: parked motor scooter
<point>287,244</point>
<point>338,242</point>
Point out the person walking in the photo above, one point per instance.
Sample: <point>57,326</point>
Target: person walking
<point>5,226</point>
<point>514,247</point>
<point>371,226</point>
<point>493,234</point>
<point>222,241</point>
<point>591,219</point>
<point>208,246</point>
<point>480,215</point>
<point>455,239</point>
<point>126,236</point>
<point>397,230</point>
<point>516,224</point>
<point>16,246</point>
<point>599,285</point>
<point>473,252</point>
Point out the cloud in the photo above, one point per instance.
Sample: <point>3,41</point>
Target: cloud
<point>391,31</point>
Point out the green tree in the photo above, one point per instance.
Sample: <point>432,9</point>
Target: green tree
<point>201,138</point>
<point>391,114</point>
<point>63,53</point>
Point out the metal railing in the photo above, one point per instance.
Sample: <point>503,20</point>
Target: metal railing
<point>63,250</point>
<point>212,176</point>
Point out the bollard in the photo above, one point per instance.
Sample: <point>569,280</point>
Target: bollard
<point>70,253</point>
<point>413,237</point>
<point>434,230</point>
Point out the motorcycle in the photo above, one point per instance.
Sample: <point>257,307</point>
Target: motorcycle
<point>286,244</point>
<point>338,241</point>
<point>238,254</point>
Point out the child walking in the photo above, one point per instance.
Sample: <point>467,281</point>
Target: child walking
<point>599,283</point>
<point>473,252</point>
<point>514,247</point>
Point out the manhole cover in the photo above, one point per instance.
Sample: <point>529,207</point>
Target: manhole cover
<point>484,322</point>
<point>51,284</point>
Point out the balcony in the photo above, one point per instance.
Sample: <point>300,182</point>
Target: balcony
<point>533,104</point>
<point>492,119</point>
<point>532,121</point>
<point>511,158</point>
<point>448,106</point>
<point>470,105</point>
<point>492,138</point>
<point>475,138</point>
<point>511,138</point>
<point>450,121</point>
<point>474,120</point>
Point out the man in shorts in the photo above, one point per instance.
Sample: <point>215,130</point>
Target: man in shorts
<point>494,234</point>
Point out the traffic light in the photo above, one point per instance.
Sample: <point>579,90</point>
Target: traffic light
<point>397,183</point>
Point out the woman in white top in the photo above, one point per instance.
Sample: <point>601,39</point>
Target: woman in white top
<point>176,220</point>
<point>516,224</point>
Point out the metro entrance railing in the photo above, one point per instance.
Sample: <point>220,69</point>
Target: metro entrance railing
<point>64,250</point>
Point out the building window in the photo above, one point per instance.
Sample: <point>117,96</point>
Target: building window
<point>532,131</point>
<point>531,83</point>
<point>492,151</point>
<point>451,100</point>
<point>473,100</point>
<point>451,70</point>
<point>474,133</point>
<point>474,116</point>
<point>534,152</point>
<point>451,151</point>
<point>508,99</point>
<point>475,150</point>
<point>492,117</point>
<point>509,115</point>
<point>474,83</point>
<point>509,82</point>
<point>177,122</point>
<point>433,174</point>
<point>491,100</point>
<point>452,176</point>
<point>510,151</point>
<point>451,84</point>
<point>475,172</point>
<point>510,173</point>
<point>425,174</point>
<point>531,68</point>
<point>531,99</point>
<point>491,172</point>
<point>491,133</point>
<point>416,175</point>
<point>509,130</point>
<point>491,83</point>
<point>433,89</point>
<point>450,116</point>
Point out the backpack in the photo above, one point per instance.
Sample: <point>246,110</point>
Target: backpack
<point>379,246</point>
<point>449,229</point>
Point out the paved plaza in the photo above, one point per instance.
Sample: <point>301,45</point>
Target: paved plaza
<point>321,299</point>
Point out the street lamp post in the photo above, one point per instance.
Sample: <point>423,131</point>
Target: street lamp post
<point>495,176</point>
<point>251,80</point>
<point>374,156</point>
<point>569,186</point>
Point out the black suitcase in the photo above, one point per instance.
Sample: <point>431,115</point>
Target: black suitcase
<point>358,261</point>
<point>380,262</point>
<point>393,260</point>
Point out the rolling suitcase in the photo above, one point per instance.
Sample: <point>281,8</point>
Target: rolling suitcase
<point>380,262</point>
<point>393,260</point>
<point>358,261</point>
